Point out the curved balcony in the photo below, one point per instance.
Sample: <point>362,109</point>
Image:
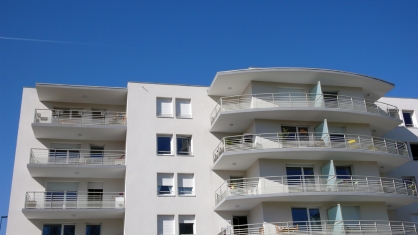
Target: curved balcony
<point>70,204</point>
<point>324,227</point>
<point>244,150</point>
<point>252,191</point>
<point>79,124</point>
<point>85,162</point>
<point>301,107</point>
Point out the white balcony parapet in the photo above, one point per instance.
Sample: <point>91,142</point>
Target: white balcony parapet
<point>79,117</point>
<point>302,100</point>
<point>250,142</point>
<point>74,200</point>
<point>77,156</point>
<point>314,183</point>
<point>323,227</point>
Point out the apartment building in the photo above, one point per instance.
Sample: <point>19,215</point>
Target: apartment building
<point>259,151</point>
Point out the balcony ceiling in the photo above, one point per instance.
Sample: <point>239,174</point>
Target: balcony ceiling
<point>238,80</point>
<point>244,159</point>
<point>77,171</point>
<point>73,213</point>
<point>79,132</point>
<point>246,203</point>
<point>241,119</point>
<point>81,94</point>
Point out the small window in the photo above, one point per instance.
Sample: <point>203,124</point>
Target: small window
<point>92,229</point>
<point>165,224</point>
<point>186,184</point>
<point>183,108</point>
<point>407,118</point>
<point>184,145</point>
<point>165,183</point>
<point>187,224</point>
<point>164,144</point>
<point>164,107</point>
<point>414,151</point>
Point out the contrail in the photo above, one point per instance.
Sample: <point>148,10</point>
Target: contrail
<point>50,41</point>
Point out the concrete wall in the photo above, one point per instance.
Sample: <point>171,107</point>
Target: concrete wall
<point>143,164</point>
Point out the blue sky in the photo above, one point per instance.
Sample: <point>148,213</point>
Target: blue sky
<point>108,43</point>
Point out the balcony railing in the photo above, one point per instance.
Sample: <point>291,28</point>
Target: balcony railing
<point>308,140</point>
<point>302,100</point>
<point>79,117</point>
<point>323,227</point>
<point>77,156</point>
<point>314,183</point>
<point>74,200</point>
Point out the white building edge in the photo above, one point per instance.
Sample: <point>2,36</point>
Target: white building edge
<point>260,151</point>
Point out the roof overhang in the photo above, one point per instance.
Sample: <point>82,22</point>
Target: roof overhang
<point>234,82</point>
<point>81,94</point>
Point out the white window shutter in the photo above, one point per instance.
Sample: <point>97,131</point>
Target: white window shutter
<point>166,225</point>
<point>164,107</point>
<point>165,179</point>
<point>183,108</point>
<point>186,180</point>
<point>62,186</point>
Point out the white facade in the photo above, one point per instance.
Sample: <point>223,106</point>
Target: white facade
<point>260,151</point>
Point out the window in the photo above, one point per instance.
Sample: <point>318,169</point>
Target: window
<point>331,99</point>
<point>414,151</point>
<point>164,144</point>
<point>92,229</point>
<point>95,194</point>
<point>337,134</point>
<point>343,172</point>
<point>186,184</point>
<point>187,224</point>
<point>184,145</point>
<point>407,118</point>
<point>304,215</point>
<point>183,108</point>
<point>58,229</point>
<point>165,183</point>
<point>165,224</point>
<point>164,107</point>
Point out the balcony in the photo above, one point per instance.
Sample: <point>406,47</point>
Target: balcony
<point>241,151</point>
<point>77,163</point>
<point>249,192</point>
<point>324,227</point>
<point>242,109</point>
<point>74,205</point>
<point>79,124</point>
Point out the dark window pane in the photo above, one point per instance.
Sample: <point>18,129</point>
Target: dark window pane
<point>414,150</point>
<point>299,215</point>
<point>164,189</point>
<point>51,229</point>
<point>185,190</point>
<point>164,145</point>
<point>343,172</point>
<point>186,228</point>
<point>93,230</point>
<point>407,118</point>
<point>69,230</point>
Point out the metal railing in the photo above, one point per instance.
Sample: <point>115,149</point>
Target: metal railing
<point>308,140</point>
<point>323,227</point>
<point>74,200</point>
<point>314,183</point>
<point>302,100</point>
<point>79,117</point>
<point>77,156</point>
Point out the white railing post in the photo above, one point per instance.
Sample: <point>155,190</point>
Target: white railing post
<point>394,186</point>
<point>290,99</point>
<point>272,96</point>
<point>352,103</point>
<point>386,146</point>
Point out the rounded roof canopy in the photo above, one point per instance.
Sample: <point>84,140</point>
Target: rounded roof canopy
<point>234,82</point>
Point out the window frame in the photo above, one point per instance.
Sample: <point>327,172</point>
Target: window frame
<point>173,185</point>
<point>171,145</point>
<point>193,194</point>
<point>61,227</point>
<point>164,116</point>
<point>412,116</point>
<point>190,145</point>
<point>177,111</point>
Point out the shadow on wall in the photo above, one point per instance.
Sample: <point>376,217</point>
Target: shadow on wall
<point>403,134</point>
